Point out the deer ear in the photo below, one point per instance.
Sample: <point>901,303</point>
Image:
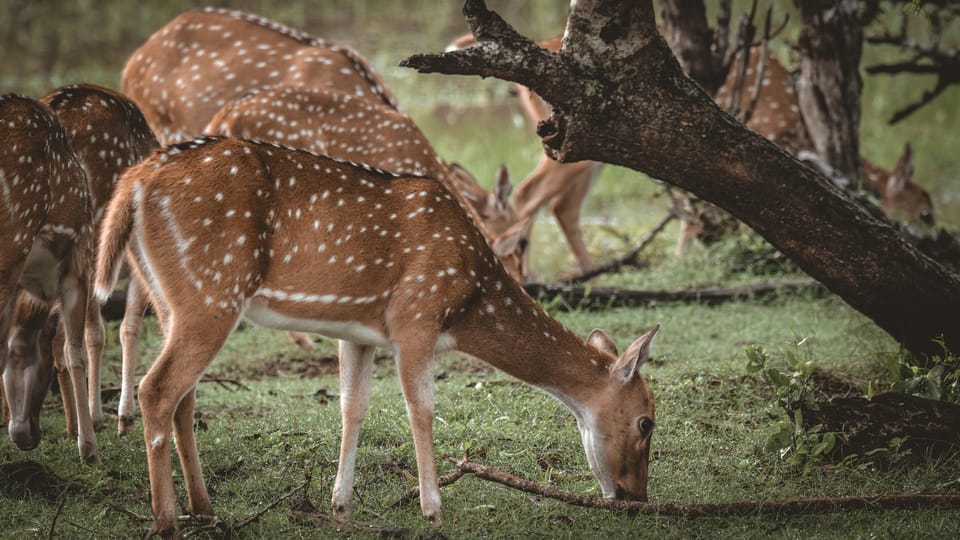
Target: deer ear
<point>635,356</point>
<point>502,188</point>
<point>903,173</point>
<point>599,339</point>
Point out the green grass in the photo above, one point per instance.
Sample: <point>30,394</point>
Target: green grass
<point>260,440</point>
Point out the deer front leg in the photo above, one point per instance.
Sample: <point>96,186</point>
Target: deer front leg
<point>130,329</point>
<point>356,372</point>
<point>414,360</point>
<point>94,343</point>
<point>74,298</point>
<point>63,378</point>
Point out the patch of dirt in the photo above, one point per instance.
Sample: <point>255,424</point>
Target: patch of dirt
<point>836,386</point>
<point>23,478</point>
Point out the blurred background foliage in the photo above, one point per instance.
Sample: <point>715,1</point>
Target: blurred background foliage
<point>50,43</point>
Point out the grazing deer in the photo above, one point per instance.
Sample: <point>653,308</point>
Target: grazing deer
<point>28,370</point>
<point>108,133</point>
<point>46,230</point>
<point>204,58</point>
<point>289,239</point>
<point>566,184</point>
<point>341,125</point>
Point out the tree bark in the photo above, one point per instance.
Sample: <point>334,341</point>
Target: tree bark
<point>619,96</point>
<point>691,39</point>
<point>830,43</point>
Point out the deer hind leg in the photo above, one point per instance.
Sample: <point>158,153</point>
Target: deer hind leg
<point>94,333</point>
<point>164,399</point>
<point>356,372</point>
<point>189,458</point>
<point>74,296</point>
<point>414,357</point>
<point>567,208</point>
<point>130,329</point>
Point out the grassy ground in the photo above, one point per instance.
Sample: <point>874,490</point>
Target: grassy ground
<point>281,425</point>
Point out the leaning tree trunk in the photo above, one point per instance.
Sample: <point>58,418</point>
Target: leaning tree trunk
<point>830,44</point>
<point>619,96</point>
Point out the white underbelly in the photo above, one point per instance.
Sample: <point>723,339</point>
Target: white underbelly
<point>353,331</point>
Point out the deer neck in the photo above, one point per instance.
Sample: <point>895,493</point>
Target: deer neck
<point>507,329</point>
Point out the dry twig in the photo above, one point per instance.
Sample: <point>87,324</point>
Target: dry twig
<point>629,259</point>
<point>737,508</point>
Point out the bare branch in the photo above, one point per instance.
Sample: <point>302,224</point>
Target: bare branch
<point>629,259</point>
<point>927,60</point>
<point>500,52</point>
<point>737,508</point>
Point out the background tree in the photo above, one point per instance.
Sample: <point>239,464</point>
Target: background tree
<point>620,96</point>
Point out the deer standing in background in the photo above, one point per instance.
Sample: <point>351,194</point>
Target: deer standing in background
<point>46,242</point>
<point>288,239</point>
<point>566,184</point>
<point>204,58</point>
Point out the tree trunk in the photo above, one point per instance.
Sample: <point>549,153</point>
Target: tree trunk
<point>619,96</point>
<point>830,43</point>
<point>690,38</point>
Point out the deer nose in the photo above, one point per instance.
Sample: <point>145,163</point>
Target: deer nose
<point>24,434</point>
<point>627,495</point>
<point>926,217</point>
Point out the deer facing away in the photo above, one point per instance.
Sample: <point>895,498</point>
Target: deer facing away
<point>291,240</point>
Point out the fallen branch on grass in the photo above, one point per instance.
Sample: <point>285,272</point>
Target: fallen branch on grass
<point>414,492</point>
<point>580,297</point>
<point>737,508</point>
<point>629,259</point>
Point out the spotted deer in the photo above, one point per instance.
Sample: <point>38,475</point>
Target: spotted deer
<point>289,239</point>
<point>565,184</point>
<point>46,242</point>
<point>341,125</point>
<point>777,117</point>
<point>203,58</point>
<point>108,133</point>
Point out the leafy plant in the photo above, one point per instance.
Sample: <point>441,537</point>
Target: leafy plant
<point>793,391</point>
<point>938,379</point>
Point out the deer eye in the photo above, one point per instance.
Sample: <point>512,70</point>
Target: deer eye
<point>645,424</point>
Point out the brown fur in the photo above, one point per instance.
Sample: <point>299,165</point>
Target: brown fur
<point>298,241</point>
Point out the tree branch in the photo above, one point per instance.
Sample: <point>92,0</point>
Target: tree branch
<point>927,60</point>
<point>737,508</point>
<point>619,96</point>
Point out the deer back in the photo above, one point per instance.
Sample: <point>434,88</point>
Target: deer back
<point>341,125</point>
<point>204,58</point>
<point>223,224</point>
<point>106,130</point>
<point>45,214</point>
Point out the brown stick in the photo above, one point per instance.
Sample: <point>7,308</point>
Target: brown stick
<point>785,506</point>
<point>629,259</point>
<point>414,492</point>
